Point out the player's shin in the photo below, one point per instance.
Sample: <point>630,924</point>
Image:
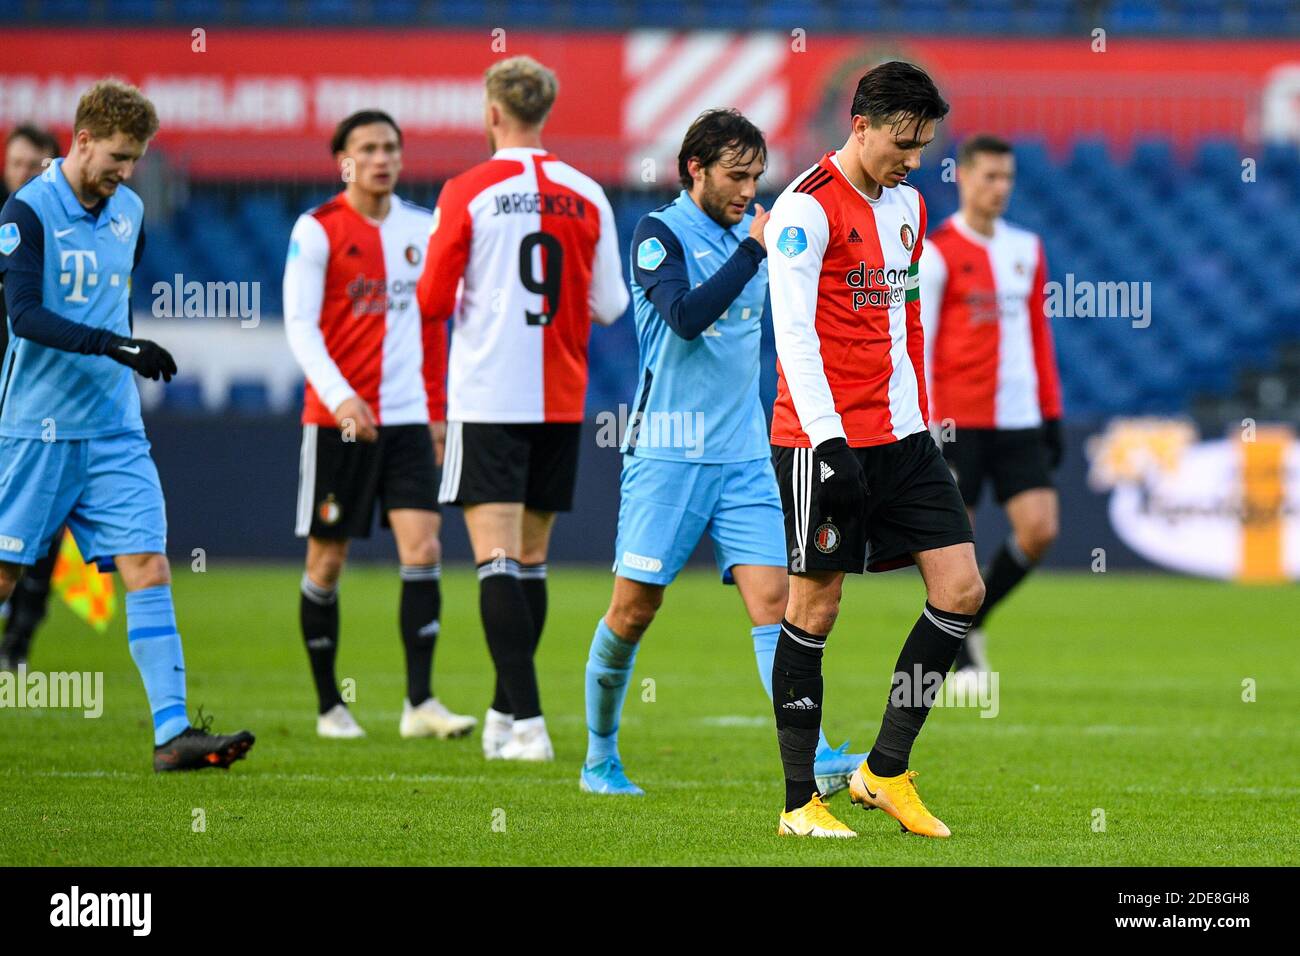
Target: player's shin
<point>797,703</point>
<point>926,656</point>
<point>532,578</point>
<point>609,670</point>
<point>318,615</point>
<point>155,646</point>
<point>765,638</point>
<point>508,624</point>
<point>420,613</point>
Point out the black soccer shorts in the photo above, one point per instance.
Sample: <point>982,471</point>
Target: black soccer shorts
<point>534,463</point>
<point>1015,459</point>
<point>341,482</point>
<point>912,505</point>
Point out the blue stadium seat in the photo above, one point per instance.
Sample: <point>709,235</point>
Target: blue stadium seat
<point>1136,16</point>
<point>61,10</point>
<point>990,16</point>
<point>388,13</point>
<point>182,395</point>
<point>140,11</point>
<point>264,11</point>
<point>249,397</point>
<point>461,12</point>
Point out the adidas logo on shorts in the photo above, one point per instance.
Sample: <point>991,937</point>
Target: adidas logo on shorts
<point>827,471</point>
<point>804,703</point>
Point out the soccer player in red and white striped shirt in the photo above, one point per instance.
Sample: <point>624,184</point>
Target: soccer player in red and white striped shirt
<point>374,412</point>
<point>862,483</point>
<point>530,242</point>
<point>995,395</point>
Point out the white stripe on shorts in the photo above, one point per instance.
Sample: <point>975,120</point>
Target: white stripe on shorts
<point>306,480</point>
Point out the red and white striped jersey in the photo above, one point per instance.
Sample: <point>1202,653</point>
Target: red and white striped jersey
<point>988,343</point>
<point>531,244</point>
<point>842,269</point>
<point>352,319</point>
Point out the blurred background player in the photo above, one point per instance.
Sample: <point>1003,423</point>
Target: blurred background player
<point>72,443</point>
<point>28,150</point>
<point>995,395</point>
<point>535,244</point>
<point>862,483</point>
<point>699,282</point>
<point>374,412</point>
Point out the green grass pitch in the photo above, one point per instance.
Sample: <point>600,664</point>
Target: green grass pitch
<point>1120,704</point>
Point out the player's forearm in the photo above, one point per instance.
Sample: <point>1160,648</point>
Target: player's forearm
<point>689,312</point>
<point>308,348</point>
<point>32,321</point>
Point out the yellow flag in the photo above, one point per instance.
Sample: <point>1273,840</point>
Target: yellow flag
<point>89,593</point>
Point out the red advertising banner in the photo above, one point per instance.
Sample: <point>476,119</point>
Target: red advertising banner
<point>262,103</point>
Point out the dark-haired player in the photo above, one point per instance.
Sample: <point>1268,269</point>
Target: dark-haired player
<point>696,457</point>
<point>862,483</point>
<point>992,368</point>
<point>374,410</point>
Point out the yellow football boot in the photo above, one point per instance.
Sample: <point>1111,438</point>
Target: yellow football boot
<point>812,819</point>
<point>897,796</point>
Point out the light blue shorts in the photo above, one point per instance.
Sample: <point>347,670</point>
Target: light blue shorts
<point>106,490</point>
<point>665,507</point>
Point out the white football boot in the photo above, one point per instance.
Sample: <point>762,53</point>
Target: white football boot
<point>496,731</point>
<point>339,724</point>
<point>529,741</point>
<point>433,719</point>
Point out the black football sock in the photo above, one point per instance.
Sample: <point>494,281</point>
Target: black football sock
<point>1009,567</point>
<point>927,654</point>
<point>421,609</point>
<point>319,617</point>
<point>797,702</point>
<point>27,607</point>
<point>532,577</point>
<point>508,624</point>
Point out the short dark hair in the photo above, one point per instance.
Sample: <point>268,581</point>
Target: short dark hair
<point>895,91</point>
<point>972,146</point>
<point>339,141</point>
<point>40,138</point>
<point>712,134</point>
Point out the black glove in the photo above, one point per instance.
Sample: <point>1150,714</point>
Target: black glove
<point>840,485</point>
<point>1054,441</point>
<point>148,358</point>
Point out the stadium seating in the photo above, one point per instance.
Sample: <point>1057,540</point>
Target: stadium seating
<point>1128,17</point>
<point>1220,257</point>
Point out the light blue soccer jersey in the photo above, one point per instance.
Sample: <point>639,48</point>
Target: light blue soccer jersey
<point>698,398</point>
<point>85,262</point>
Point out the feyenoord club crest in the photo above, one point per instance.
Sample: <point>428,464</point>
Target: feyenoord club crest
<point>329,511</point>
<point>908,237</point>
<point>413,255</point>
<point>826,537</point>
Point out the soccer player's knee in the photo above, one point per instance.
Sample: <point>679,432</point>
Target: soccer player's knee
<point>970,594</point>
<point>631,618</point>
<point>1038,537</point>
<point>145,571</point>
<point>425,552</point>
